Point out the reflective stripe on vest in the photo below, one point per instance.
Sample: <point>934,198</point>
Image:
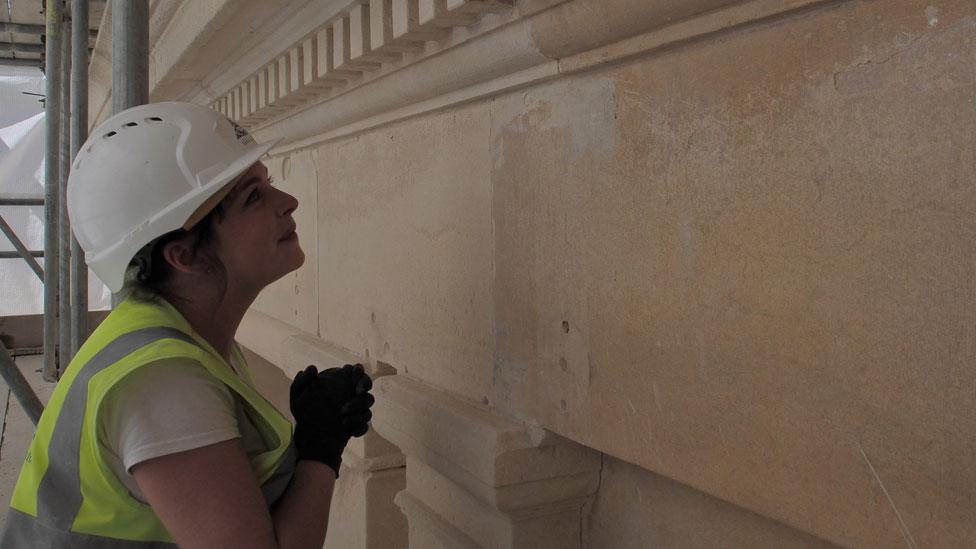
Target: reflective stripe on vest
<point>59,495</point>
<point>24,531</point>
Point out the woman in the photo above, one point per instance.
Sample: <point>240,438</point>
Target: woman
<point>154,436</point>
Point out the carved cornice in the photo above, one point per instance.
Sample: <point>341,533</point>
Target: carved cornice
<point>334,57</point>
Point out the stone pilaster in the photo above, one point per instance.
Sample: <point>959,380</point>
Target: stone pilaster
<point>363,513</point>
<point>475,479</point>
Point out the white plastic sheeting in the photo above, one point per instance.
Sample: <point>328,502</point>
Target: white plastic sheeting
<point>22,175</point>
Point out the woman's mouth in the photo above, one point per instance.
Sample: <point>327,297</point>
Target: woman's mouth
<point>292,235</point>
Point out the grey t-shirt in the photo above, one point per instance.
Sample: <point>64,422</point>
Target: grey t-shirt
<point>171,406</point>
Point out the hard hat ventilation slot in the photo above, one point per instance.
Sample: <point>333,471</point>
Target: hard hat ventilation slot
<point>154,119</point>
<point>109,134</point>
<point>131,124</point>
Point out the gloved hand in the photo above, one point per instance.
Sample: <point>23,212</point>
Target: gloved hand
<point>330,407</point>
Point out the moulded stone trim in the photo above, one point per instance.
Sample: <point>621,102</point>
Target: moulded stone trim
<point>358,40</point>
<point>381,37</point>
<point>480,480</point>
<point>292,351</point>
<point>342,45</point>
<point>326,68</point>
<point>551,520</point>
<point>434,14</point>
<point>492,456</point>
<point>361,40</point>
<point>508,57</point>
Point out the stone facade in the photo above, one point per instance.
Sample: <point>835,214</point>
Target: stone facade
<point>675,273</point>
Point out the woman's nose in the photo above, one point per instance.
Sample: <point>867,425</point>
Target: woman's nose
<point>287,203</point>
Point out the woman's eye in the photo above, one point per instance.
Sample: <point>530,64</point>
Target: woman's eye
<point>252,197</point>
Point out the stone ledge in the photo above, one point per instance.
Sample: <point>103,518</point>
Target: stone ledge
<point>291,350</point>
<point>551,521</point>
<point>508,465</point>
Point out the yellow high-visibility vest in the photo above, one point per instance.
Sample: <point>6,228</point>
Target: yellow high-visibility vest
<point>67,495</point>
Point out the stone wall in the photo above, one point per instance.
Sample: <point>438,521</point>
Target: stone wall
<point>690,273</point>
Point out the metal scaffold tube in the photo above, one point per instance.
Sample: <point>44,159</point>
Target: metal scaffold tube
<point>79,133</point>
<point>53,20</point>
<point>19,386</point>
<point>130,59</point>
<point>8,231</point>
<point>64,231</point>
<point>130,54</point>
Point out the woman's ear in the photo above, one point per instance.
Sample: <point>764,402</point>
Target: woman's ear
<point>180,256</point>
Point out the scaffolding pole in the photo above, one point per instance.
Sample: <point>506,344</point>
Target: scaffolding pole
<point>130,60</point>
<point>64,231</point>
<point>130,54</point>
<point>19,386</point>
<point>25,253</point>
<point>79,133</point>
<point>54,22</point>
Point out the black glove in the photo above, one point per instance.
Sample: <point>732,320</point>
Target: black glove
<point>329,407</point>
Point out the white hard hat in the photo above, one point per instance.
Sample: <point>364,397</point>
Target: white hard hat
<point>150,170</point>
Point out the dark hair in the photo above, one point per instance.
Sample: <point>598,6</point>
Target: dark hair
<point>148,273</point>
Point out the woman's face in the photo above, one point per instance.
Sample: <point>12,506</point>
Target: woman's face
<point>256,239</point>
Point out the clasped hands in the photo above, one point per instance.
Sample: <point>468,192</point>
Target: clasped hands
<point>329,407</point>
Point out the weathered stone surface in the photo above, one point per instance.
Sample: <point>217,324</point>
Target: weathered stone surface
<point>729,245</point>
<point>405,248</point>
<point>636,509</point>
<point>746,264</point>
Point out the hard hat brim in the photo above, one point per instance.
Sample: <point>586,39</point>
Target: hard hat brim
<point>225,182</point>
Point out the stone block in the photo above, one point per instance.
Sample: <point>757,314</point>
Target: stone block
<point>361,40</point>
<point>427,529</point>
<point>381,38</point>
<point>297,87</point>
<point>283,70</point>
<point>363,512</point>
<point>553,520</point>
<point>262,77</point>
<point>312,83</point>
<point>342,46</point>
<point>476,7</point>
<point>636,508</point>
<point>237,110</point>
<point>477,479</point>
<point>325,64</point>
<point>411,292</point>
<point>252,95</point>
<point>245,101</point>
<point>435,13</point>
<point>406,22</point>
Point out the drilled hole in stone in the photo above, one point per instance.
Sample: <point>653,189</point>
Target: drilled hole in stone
<point>565,327</point>
<point>562,404</point>
<point>563,365</point>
